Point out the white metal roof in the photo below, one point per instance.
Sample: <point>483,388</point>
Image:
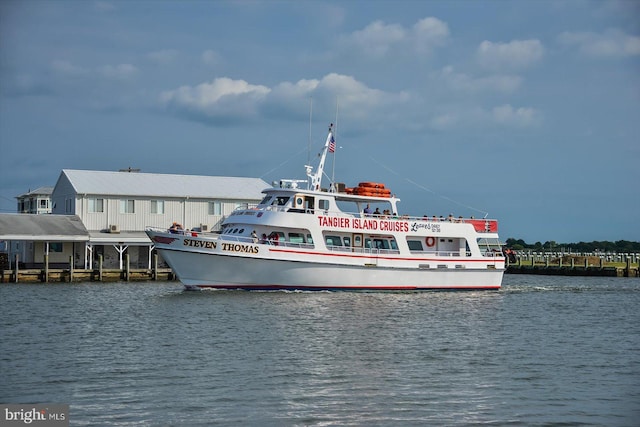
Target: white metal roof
<point>41,191</point>
<point>50,228</point>
<point>128,238</point>
<point>167,185</point>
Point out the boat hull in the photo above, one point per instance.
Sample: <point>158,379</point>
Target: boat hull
<point>208,270</point>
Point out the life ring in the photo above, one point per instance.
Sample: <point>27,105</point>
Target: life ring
<point>430,241</point>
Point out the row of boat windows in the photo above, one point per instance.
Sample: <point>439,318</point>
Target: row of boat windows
<point>337,241</point>
<point>301,202</point>
<point>369,243</point>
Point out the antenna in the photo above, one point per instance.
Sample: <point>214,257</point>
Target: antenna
<point>333,166</point>
<point>309,145</point>
<point>316,178</point>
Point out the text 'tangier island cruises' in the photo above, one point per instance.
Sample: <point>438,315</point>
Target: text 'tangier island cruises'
<point>315,239</point>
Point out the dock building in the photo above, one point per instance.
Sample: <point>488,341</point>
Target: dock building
<point>115,208</point>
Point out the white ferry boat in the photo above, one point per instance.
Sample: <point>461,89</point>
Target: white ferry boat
<point>333,239</point>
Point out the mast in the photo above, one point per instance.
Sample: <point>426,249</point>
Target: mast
<point>309,145</point>
<point>316,178</point>
<point>333,164</point>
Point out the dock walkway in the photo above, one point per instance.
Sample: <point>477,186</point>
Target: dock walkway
<point>569,265</point>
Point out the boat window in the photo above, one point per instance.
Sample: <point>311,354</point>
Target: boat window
<point>309,203</point>
<point>347,241</point>
<point>333,240</point>
<point>490,244</point>
<point>323,204</point>
<point>296,237</point>
<point>265,201</point>
<point>281,200</point>
<point>241,231</point>
<point>381,244</point>
<point>309,239</point>
<point>415,245</point>
<point>235,230</point>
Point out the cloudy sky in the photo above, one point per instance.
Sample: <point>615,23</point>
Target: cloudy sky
<point>526,110</point>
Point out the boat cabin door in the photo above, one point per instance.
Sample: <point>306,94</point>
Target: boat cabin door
<point>303,203</point>
<point>356,242</point>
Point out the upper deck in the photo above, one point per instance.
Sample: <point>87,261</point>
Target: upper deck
<point>341,210</point>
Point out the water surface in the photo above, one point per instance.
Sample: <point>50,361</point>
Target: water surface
<point>542,351</point>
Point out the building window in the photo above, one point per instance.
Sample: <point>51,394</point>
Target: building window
<point>55,247</point>
<point>67,206</point>
<point>44,203</point>
<point>157,207</point>
<point>127,206</point>
<point>215,208</point>
<point>96,205</point>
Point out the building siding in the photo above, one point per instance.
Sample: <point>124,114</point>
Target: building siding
<point>190,212</point>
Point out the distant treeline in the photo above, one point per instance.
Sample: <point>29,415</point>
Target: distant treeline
<point>621,246</point>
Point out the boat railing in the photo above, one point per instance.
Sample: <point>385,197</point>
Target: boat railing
<point>368,251</point>
<point>239,239</point>
<point>376,252</point>
<point>288,244</point>
<point>442,253</point>
<point>172,230</point>
<point>482,225</point>
<point>270,242</point>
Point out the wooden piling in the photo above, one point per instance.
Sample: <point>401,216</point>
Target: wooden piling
<point>155,267</point>
<point>45,277</point>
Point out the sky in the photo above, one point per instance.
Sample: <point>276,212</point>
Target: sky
<point>525,111</point>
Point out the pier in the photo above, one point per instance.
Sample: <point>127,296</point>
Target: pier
<point>618,265</point>
<point>70,274</point>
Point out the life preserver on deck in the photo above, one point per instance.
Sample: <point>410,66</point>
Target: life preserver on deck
<point>371,185</point>
<point>430,241</point>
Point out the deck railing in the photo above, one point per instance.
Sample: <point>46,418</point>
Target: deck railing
<point>481,225</point>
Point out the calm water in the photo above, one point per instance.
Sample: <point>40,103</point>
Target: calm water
<point>542,351</point>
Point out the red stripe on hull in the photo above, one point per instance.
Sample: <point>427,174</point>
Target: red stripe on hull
<point>342,255</point>
<point>346,288</point>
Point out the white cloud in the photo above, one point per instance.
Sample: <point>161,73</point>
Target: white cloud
<point>516,54</point>
<point>352,94</point>
<point>428,33</point>
<point>464,83</point>
<point>165,56</point>
<point>223,98</point>
<point>379,39</point>
<point>506,114</point>
<point>211,93</point>
<point>465,118</point>
<point>612,43</point>
<point>228,99</point>
<point>302,88</point>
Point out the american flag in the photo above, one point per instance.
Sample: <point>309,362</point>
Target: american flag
<point>332,145</point>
